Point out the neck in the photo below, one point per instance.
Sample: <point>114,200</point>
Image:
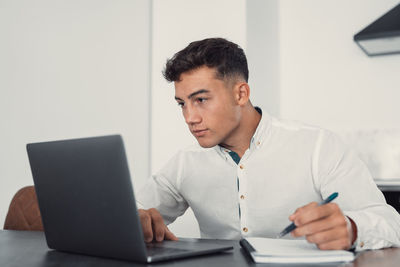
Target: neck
<point>239,141</point>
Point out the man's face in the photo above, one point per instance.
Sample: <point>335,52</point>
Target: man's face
<point>208,106</point>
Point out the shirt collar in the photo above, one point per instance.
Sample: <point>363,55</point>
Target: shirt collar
<point>262,129</point>
<point>259,135</point>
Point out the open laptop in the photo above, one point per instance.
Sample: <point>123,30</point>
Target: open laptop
<point>87,203</point>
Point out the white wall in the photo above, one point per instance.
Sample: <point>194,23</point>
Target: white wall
<point>263,56</point>
<point>69,69</point>
<point>325,78</point>
<point>175,24</point>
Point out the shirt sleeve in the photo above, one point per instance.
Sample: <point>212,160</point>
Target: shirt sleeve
<point>340,170</point>
<point>161,191</point>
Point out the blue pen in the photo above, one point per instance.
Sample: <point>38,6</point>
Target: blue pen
<point>292,226</point>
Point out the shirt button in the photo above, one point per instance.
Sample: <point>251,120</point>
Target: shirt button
<point>241,197</point>
<point>362,244</point>
<point>245,229</point>
<point>241,166</point>
<point>258,143</point>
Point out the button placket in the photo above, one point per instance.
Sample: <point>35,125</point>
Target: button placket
<point>242,193</point>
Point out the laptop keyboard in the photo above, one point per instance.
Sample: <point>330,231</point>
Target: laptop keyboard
<point>158,250</point>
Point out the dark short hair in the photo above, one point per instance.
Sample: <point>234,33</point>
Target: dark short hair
<point>226,57</point>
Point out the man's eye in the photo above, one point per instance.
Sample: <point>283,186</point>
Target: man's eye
<point>181,104</point>
<point>201,99</point>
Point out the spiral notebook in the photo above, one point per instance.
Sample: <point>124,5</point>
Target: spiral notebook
<point>291,251</point>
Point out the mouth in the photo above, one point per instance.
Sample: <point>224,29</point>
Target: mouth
<point>199,133</point>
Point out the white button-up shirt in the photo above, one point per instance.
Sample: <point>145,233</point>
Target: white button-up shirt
<point>287,165</point>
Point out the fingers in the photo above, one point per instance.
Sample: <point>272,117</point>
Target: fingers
<point>328,239</point>
<point>323,225</point>
<point>153,226</point>
<point>157,224</point>
<point>302,209</point>
<point>147,229</point>
<point>312,212</point>
<point>342,243</point>
<point>169,235</point>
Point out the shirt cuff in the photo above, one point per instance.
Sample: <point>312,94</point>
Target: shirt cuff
<point>359,244</point>
<point>350,231</point>
<point>368,236</point>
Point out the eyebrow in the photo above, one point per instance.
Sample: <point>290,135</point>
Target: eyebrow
<point>201,91</point>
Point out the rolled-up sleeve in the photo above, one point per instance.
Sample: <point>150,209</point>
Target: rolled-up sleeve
<point>161,191</point>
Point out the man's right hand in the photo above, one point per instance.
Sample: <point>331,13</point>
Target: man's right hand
<point>153,226</point>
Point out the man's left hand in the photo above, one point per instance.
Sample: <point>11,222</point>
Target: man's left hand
<point>324,225</point>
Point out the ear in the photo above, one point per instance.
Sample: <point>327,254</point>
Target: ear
<point>242,93</point>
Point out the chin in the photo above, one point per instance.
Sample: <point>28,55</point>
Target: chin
<point>205,144</point>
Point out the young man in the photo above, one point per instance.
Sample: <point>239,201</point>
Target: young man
<point>251,170</point>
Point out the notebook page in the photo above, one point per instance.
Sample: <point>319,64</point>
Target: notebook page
<point>292,248</point>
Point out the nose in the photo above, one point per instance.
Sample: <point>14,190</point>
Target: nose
<point>191,115</point>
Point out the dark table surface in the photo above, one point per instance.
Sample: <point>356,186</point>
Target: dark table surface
<point>24,248</point>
